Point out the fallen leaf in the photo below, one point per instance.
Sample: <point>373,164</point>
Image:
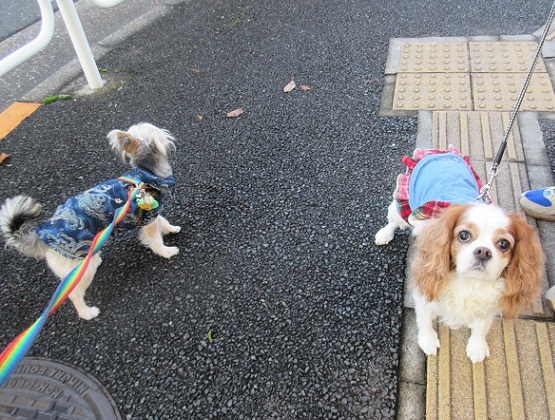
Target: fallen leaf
<point>305,87</point>
<point>235,113</point>
<point>196,70</point>
<point>209,335</point>
<point>289,86</point>
<point>370,81</point>
<point>200,117</point>
<point>3,157</point>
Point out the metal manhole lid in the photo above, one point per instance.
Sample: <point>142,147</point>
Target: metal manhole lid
<point>46,389</point>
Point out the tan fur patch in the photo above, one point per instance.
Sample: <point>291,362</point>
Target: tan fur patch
<point>128,143</point>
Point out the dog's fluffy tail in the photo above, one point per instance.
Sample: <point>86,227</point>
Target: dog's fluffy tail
<point>18,234</point>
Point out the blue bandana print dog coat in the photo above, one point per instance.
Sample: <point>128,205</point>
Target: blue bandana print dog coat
<point>73,226</point>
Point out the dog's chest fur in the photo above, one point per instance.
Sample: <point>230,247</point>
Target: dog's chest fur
<point>463,301</point>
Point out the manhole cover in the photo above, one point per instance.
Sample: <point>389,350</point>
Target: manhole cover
<point>43,389</point>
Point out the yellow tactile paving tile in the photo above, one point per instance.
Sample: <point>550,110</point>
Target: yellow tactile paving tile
<point>14,114</point>
<point>435,76</point>
<point>477,57</point>
<point>472,91</point>
<point>479,392</point>
<point>444,373</point>
<point>432,91</point>
<point>431,388</point>
<point>500,92</point>
<point>475,133</point>
<point>434,57</point>
<point>504,57</point>
<point>547,358</point>
<point>516,382</point>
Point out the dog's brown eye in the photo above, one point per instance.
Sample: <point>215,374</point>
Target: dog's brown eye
<point>503,244</point>
<point>464,236</point>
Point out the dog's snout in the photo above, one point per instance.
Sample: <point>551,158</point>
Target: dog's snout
<point>482,253</point>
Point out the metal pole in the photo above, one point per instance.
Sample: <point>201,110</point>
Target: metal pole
<point>41,41</point>
<point>80,43</point>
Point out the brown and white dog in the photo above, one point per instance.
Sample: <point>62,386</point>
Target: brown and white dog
<point>473,261</point>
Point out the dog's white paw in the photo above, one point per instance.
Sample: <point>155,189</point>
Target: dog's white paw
<point>428,342</point>
<point>169,251</point>
<point>384,236</point>
<point>174,229</point>
<point>477,350</point>
<point>89,313</point>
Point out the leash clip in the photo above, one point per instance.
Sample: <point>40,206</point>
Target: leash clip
<point>484,191</point>
<point>484,194</point>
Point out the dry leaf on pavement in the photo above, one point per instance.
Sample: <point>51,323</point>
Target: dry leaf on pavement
<point>3,157</point>
<point>305,87</point>
<point>289,86</point>
<point>235,113</point>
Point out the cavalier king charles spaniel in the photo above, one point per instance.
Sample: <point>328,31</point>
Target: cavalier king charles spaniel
<point>474,261</point>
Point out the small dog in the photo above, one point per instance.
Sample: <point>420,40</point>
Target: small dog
<point>64,239</point>
<point>474,261</point>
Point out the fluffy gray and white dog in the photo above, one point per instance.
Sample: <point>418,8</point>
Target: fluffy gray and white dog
<point>65,238</point>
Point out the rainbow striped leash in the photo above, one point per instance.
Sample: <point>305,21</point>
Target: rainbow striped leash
<point>18,348</point>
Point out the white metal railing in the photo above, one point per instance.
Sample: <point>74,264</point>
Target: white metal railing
<point>41,41</point>
<point>76,34</point>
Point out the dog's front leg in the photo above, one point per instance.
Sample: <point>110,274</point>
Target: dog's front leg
<point>427,336</point>
<point>477,348</point>
<point>152,236</point>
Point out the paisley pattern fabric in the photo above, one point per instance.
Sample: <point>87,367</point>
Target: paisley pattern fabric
<point>73,226</point>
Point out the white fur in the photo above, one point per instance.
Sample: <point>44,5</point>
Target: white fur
<point>464,303</point>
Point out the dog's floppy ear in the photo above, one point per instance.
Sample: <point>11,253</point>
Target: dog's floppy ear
<point>433,261</point>
<point>523,275</point>
<point>124,144</point>
<point>127,142</point>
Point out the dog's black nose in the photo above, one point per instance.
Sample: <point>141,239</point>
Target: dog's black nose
<point>482,253</point>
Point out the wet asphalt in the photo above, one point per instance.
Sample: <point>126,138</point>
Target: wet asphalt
<point>279,304</point>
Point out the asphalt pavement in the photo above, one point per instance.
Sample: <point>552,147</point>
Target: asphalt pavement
<point>279,304</point>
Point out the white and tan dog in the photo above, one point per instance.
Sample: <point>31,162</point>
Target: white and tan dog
<point>473,261</point>
<point>64,239</point>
